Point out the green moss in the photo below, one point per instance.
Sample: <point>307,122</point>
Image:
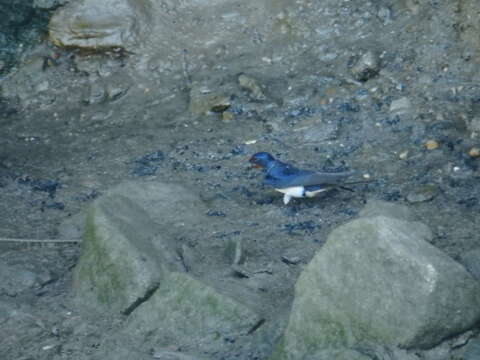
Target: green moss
<point>96,268</point>
<point>279,351</point>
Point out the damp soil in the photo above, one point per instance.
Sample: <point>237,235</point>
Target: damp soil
<point>64,142</point>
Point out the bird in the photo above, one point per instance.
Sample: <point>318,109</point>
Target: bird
<point>298,183</point>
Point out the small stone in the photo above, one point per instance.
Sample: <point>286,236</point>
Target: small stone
<point>2,65</point>
<point>227,116</point>
<point>250,84</point>
<point>474,152</point>
<point>403,155</point>
<point>367,67</point>
<point>294,260</point>
<point>400,106</point>
<point>431,145</point>
<point>96,25</point>
<point>204,100</point>
<point>366,176</point>
<point>422,194</point>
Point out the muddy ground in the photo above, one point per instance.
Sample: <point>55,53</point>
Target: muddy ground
<point>73,125</point>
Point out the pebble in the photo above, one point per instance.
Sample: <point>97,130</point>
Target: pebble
<point>403,155</point>
<point>422,194</point>
<point>227,116</point>
<point>431,145</point>
<point>204,100</point>
<point>294,260</point>
<point>474,152</point>
<point>2,65</point>
<point>251,85</point>
<point>367,67</point>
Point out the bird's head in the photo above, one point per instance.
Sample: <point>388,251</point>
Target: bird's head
<point>261,160</point>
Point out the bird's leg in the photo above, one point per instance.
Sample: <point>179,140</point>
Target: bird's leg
<point>286,199</point>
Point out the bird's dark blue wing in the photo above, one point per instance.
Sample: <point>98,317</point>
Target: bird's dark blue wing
<point>282,175</point>
<point>308,178</point>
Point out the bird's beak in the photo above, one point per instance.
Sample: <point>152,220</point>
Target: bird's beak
<point>254,164</point>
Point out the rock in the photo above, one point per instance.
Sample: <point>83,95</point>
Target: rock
<point>133,261</point>
<point>204,100</point>
<point>378,281</point>
<point>474,152</point>
<point>400,106</point>
<point>431,145</point>
<point>367,67</point>
<point>227,116</point>
<point>250,84</point>
<point>471,261</point>
<point>93,25</point>
<point>294,260</point>
<point>403,155</point>
<point>186,311</point>
<point>123,255</point>
<point>388,209</point>
<point>423,193</point>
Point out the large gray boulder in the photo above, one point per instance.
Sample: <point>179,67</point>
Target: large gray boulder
<point>128,242</point>
<point>132,262</point>
<point>92,24</point>
<point>378,281</point>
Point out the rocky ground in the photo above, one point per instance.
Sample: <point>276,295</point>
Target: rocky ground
<point>186,94</point>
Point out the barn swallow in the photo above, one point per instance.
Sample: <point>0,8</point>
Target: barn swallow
<point>293,182</point>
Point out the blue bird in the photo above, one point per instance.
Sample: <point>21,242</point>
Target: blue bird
<point>293,182</point>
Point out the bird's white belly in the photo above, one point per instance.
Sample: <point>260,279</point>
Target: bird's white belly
<point>295,191</point>
<point>298,192</point>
